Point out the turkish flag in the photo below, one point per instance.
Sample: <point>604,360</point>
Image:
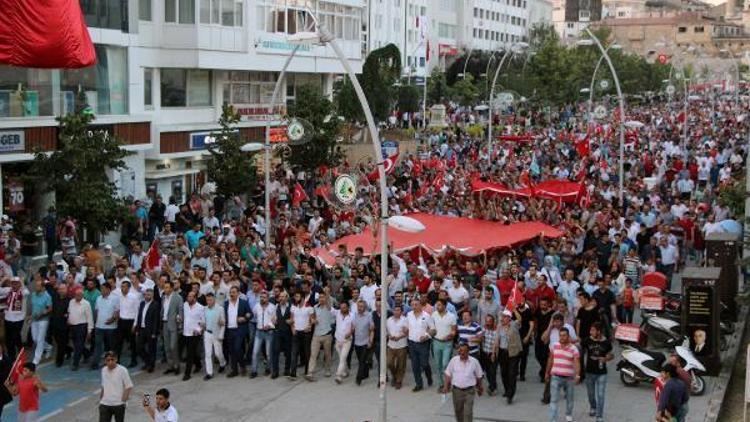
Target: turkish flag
<point>582,146</point>
<point>299,195</point>
<point>17,369</point>
<point>323,190</point>
<point>516,297</point>
<point>584,197</point>
<point>153,259</point>
<point>48,34</point>
<point>658,387</point>
<point>389,164</point>
<point>439,180</point>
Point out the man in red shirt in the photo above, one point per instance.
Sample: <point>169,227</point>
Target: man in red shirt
<point>27,387</point>
<point>542,290</point>
<point>505,285</point>
<point>421,282</point>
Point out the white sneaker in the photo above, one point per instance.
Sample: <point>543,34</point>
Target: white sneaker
<point>568,419</point>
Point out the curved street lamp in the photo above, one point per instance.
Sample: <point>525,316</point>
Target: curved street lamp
<point>510,52</point>
<point>593,77</point>
<point>621,172</point>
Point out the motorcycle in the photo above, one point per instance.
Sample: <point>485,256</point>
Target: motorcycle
<point>641,365</point>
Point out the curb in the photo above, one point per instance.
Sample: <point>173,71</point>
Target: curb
<point>728,359</point>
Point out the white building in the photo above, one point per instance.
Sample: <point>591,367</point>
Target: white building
<point>454,27</point>
<point>164,70</point>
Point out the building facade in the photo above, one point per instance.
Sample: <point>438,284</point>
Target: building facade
<point>164,69</point>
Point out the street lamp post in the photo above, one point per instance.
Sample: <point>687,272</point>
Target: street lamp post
<point>324,36</point>
<point>593,78</point>
<point>267,145</point>
<point>508,52</point>
<point>621,171</point>
<point>468,56</point>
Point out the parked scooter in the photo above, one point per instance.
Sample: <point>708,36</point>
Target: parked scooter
<point>641,365</point>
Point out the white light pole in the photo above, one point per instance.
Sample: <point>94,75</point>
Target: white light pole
<point>593,78</point>
<point>267,144</point>
<point>509,52</point>
<point>322,36</point>
<point>621,173</point>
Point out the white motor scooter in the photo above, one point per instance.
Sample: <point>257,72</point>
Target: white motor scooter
<point>642,365</point>
<point>661,331</point>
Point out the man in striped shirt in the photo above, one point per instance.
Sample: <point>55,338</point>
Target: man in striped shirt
<point>470,333</point>
<point>563,370</point>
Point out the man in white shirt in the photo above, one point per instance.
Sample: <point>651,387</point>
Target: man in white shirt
<point>116,388</point>
<point>669,257</point>
<point>463,375</point>
<point>81,323</point>
<point>343,335</point>
<point>265,318</point>
<point>419,326</point>
<point>397,331</point>
<point>367,292</point>
<point>129,300</point>
<point>15,312</point>
<point>301,333</point>
<point>163,411</point>
<point>192,331</point>
<point>442,335</point>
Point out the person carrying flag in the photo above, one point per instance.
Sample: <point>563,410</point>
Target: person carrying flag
<point>26,385</point>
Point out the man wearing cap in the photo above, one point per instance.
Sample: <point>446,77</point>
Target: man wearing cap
<point>15,312</point>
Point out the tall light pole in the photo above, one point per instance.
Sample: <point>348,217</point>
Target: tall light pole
<point>593,77</point>
<point>323,36</point>
<point>509,52</point>
<point>267,145</point>
<point>466,62</point>
<point>621,169</point>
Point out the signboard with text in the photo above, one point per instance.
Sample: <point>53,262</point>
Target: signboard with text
<point>700,315</point>
<point>16,199</point>
<point>12,141</point>
<point>258,112</point>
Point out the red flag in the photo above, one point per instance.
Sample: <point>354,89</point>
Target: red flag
<point>299,195</point>
<point>323,190</point>
<point>439,181</point>
<point>153,257</point>
<point>17,369</point>
<point>389,164</point>
<point>582,146</point>
<point>658,387</point>
<point>44,34</point>
<point>584,197</point>
<point>516,297</point>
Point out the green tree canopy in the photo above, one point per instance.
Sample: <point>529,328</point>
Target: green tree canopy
<point>408,98</point>
<point>77,172</point>
<point>229,167</point>
<point>311,105</point>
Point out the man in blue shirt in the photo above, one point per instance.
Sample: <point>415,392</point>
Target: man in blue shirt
<point>674,396</point>
<point>106,310</point>
<point>41,307</point>
<point>193,237</point>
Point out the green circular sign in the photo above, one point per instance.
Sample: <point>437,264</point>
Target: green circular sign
<point>295,130</point>
<point>345,189</point>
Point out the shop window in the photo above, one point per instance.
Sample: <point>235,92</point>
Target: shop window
<point>104,85</point>
<point>26,92</point>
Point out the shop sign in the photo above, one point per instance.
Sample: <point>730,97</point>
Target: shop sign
<point>265,45</point>
<point>447,50</point>
<point>278,135</point>
<point>699,300</point>
<point>257,112</point>
<point>203,140</point>
<point>12,141</point>
<point>16,198</point>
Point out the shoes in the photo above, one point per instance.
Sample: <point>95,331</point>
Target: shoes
<point>569,419</point>
<point>74,368</point>
<point>505,394</point>
<point>267,372</point>
<point>491,393</point>
<point>545,401</point>
<point>398,386</point>
<point>592,412</point>
<point>510,400</point>
<point>232,374</point>
<point>327,373</point>
<point>309,378</point>
<point>415,389</point>
<point>150,369</point>
<point>144,367</point>
<point>358,381</point>
<point>221,369</point>
<point>253,374</point>
<point>177,372</point>
<point>429,380</point>
<point>522,378</point>
<point>338,380</point>
<point>292,377</point>
<point>274,376</point>
<point>169,371</point>
<point>207,377</point>
<point>186,377</point>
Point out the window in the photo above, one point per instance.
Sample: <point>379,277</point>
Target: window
<point>148,81</point>
<point>179,11</point>
<point>475,32</point>
<point>476,12</point>
<point>446,31</point>
<point>144,10</point>
<point>421,62</point>
<point>698,29</point>
<point>682,29</point>
<point>221,12</point>
<point>249,88</point>
<point>104,85</point>
<point>181,87</point>
<point>108,14</point>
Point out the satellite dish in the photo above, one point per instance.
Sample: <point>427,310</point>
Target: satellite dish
<point>406,224</point>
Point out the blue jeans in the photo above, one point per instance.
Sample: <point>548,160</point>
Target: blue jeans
<point>262,338</point>
<point>419,353</point>
<point>596,386</point>
<point>556,384</point>
<point>442,351</point>
<point>104,341</point>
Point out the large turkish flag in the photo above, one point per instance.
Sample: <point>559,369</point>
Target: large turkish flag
<point>44,34</point>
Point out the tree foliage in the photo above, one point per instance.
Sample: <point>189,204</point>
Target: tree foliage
<point>408,98</point>
<point>77,172</point>
<point>311,105</point>
<point>465,92</point>
<point>437,88</point>
<point>229,167</point>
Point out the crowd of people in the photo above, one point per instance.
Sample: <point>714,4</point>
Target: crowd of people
<point>197,290</point>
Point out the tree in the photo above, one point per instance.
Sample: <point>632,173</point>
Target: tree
<point>77,173</point>
<point>346,102</point>
<point>381,70</point>
<point>408,98</point>
<point>311,105</point>
<point>437,88</point>
<point>464,91</point>
<point>229,167</point>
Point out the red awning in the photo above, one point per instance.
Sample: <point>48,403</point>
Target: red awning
<point>468,236</point>
<point>44,34</point>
